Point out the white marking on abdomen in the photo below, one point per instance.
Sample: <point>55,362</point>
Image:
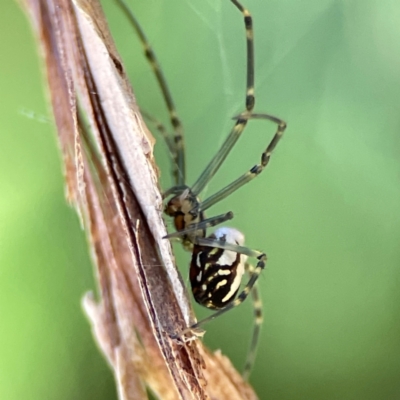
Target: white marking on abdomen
<point>224,272</point>
<point>222,283</point>
<point>236,282</point>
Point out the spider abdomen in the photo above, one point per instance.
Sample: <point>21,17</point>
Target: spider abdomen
<point>216,274</point>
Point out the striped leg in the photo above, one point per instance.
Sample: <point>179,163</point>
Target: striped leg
<point>165,135</point>
<point>258,320</point>
<point>202,225</point>
<point>241,123</point>
<point>178,139</point>
<point>254,171</point>
<point>248,23</point>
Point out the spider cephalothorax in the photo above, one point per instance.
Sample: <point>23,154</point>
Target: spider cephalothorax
<point>184,210</point>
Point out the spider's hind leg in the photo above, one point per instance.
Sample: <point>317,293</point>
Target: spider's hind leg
<point>258,320</point>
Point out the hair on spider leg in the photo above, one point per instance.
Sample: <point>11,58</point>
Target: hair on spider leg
<point>219,261</point>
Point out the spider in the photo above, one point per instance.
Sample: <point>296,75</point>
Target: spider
<point>219,260</point>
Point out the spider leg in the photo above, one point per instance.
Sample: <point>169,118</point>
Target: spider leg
<point>178,139</point>
<point>258,319</point>
<point>248,22</point>
<point>256,170</point>
<point>164,134</point>
<point>210,242</point>
<point>202,225</point>
<point>241,122</point>
<point>174,190</point>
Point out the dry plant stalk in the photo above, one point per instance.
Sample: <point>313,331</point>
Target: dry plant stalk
<point>112,181</point>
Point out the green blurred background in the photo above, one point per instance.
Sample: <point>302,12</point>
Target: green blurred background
<point>326,210</point>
